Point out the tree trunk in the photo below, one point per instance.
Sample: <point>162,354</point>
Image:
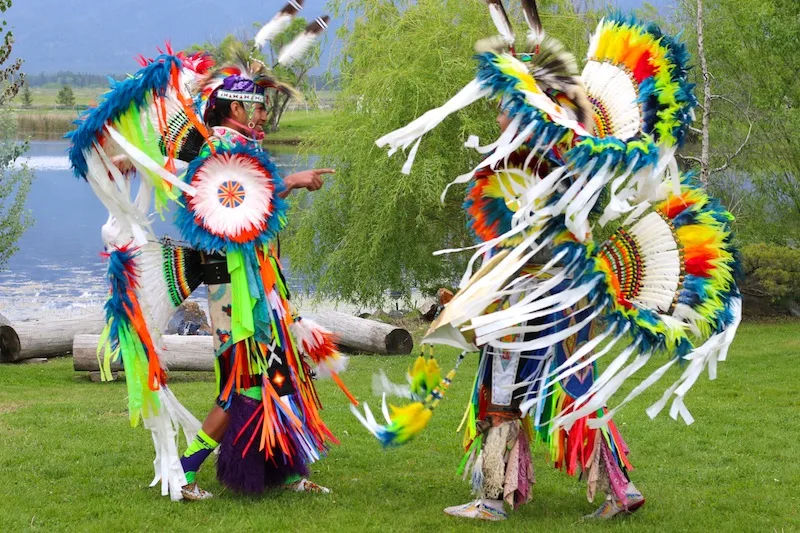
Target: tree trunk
<point>45,338</point>
<point>705,156</point>
<point>278,106</point>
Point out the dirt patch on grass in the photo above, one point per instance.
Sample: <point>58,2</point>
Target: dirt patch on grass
<point>10,407</point>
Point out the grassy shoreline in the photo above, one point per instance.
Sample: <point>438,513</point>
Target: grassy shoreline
<point>52,124</point>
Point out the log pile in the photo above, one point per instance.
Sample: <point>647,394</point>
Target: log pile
<point>52,338</point>
<point>44,338</point>
<point>194,352</point>
<point>191,353</point>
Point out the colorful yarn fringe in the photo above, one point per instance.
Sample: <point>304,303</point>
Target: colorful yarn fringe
<point>572,450</point>
<point>126,337</point>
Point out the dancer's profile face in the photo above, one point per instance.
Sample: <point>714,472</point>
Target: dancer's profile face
<point>259,116</point>
<point>239,114</point>
<point>503,120</point>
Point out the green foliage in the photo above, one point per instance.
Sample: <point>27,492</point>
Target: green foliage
<point>752,57</point>
<point>772,271</point>
<point>373,229</point>
<point>15,181</point>
<point>65,97</point>
<point>11,78</point>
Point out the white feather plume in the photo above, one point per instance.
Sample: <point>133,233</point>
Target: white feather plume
<point>278,24</point>
<point>295,50</point>
<point>274,27</point>
<point>500,19</point>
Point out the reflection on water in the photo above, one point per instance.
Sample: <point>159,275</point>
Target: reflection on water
<point>58,269</point>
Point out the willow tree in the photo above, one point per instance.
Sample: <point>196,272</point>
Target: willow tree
<point>373,229</point>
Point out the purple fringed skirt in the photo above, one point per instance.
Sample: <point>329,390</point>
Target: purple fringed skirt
<point>250,472</point>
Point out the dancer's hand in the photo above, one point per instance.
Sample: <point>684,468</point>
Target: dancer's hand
<point>306,179</point>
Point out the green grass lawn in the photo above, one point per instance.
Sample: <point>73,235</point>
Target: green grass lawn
<point>70,462</point>
<point>296,125</point>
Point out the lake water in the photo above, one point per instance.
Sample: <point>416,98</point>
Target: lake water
<point>58,270</point>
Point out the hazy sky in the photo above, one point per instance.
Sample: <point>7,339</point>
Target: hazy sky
<point>105,36</point>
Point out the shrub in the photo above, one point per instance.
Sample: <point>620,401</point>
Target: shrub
<point>772,272</point>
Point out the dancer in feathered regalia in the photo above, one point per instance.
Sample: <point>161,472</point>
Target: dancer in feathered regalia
<point>577,153</point>
<point>230,207</point>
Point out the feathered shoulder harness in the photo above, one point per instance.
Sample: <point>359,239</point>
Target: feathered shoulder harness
<point>582,154</point>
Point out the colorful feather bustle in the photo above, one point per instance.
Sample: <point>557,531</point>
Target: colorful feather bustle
<point>406,422</point>
<point>656,69</point>
<point>665,282</point>
<point>699,281</point>
<point>494,196</point>
<point>127,338</point>
<point>146,117</point>
<point>237,203</point>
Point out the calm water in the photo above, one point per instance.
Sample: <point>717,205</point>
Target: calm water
<point>58,269</point>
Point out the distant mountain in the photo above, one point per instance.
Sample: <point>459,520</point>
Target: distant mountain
<point>105,36</point>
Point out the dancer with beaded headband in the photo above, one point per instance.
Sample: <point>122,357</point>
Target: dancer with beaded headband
<point>230,208</point>
<point>577,152</point>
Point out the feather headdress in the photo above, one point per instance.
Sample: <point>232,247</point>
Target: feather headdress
<point>247,76</point>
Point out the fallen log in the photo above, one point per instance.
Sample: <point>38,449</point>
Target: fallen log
<point>366,336</point>
<point>191,353</point>
<point>44,338</point>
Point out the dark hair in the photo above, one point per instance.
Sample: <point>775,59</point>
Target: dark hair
<point>214,116</point>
